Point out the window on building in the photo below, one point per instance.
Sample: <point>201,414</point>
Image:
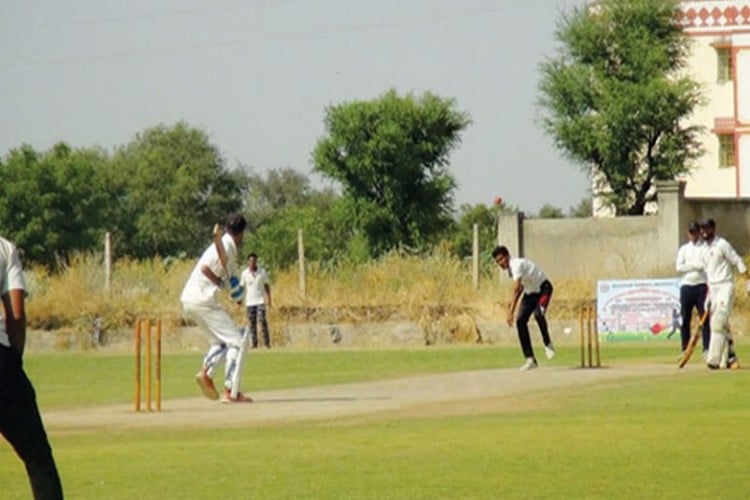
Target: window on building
<point>726,150</point>
<point>724,64</point>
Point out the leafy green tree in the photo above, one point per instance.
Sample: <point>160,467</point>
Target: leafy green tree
<point>584,208</point>
<point>52,203</point>
<point>391,157</point>
<point>169,186</point>
<point>548,211</point>
<point>328,237</point>
<point>617,101</point>
<point>463,235</point>
<point>275,242</point>
<point>280,188</point>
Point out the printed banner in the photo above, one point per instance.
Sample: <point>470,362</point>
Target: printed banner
<point>638,309</point>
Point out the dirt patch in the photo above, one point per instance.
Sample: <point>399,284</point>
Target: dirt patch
<point>428,395</point>
<point>482,391</point>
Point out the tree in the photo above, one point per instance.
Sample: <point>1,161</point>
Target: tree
<point>615,99</point>
<point>549,211</point>
<point>52,203</point>
<point>328,239</point>
<point>585,208</point>
<point>284,201</point>
<point>275,242</point>
<point>169,186</point>
<point>391,157</point>
<point>463,235</point>
<point>281,188</point>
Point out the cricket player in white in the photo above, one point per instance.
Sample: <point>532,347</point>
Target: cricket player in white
<point>200,303</point>
<point>534,290</point>
<point>693,288</point>
<point>720,257</point>
<point>257,299</point>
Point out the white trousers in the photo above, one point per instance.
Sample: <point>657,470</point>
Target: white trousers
<point>721,297</point>
<point>225,339</point>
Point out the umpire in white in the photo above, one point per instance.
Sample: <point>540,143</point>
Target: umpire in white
<point>690,262</point>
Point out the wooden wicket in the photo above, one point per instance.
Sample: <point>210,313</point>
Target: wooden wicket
<point>589,337</point>
<point>143,335</point>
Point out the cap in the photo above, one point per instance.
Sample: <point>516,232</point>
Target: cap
<point>693,227</point>
<point>708,223</point>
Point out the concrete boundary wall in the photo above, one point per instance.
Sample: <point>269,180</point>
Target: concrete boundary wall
<point>732,218</point>
<point>623,247</point>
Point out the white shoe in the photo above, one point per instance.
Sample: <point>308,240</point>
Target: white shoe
<point>549,351</point>
<point>529,365</point>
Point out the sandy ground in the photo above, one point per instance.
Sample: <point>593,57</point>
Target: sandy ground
<point>454,393</point>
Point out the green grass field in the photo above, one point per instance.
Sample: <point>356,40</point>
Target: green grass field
<point>649,437</point>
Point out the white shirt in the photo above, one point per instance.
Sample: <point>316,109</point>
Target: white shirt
<point>720,256</point>
<point>254,283</point>
<point>529,273</point>
<point>199,290</point>
<point>11,278</point>
<point>690,262</point>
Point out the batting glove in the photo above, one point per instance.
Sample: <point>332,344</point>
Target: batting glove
<point>235,289</point>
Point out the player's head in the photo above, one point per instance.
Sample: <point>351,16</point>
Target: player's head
<point>252,259</point>
<point>235,225</point>
<point>501,256</point>
<point>694,230</point>
<point>708,229</point>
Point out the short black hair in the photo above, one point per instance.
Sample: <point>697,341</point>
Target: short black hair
<point>235,223</point>
<point>709,223</point>
<point>694,227</point>
<point>500,250</point>
<point>252,254</point>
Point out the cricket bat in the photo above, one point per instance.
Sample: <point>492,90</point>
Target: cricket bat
<point>241,354</point>
<point>693,342</point>
<point>238,364</point>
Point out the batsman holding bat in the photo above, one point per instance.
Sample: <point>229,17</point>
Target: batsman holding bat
<point>720,261</point>
<point>216,269</point>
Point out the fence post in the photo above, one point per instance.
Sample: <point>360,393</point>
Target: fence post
<point>108,263</point>
<point>475,257</point>
<point>301,261</point>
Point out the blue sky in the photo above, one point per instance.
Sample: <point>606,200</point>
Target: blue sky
<point>257,75</point>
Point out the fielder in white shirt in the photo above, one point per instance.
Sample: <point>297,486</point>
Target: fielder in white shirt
<point>534,290</point>
<point>693,289</point>
<point>200,302</point>
<point>257,299</point>
<point>719,260</point>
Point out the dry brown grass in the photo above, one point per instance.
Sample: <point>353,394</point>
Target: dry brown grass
<point>74,297</point>
<point>435,292</point>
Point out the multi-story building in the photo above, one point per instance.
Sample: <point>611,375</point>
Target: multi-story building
<point>720,61</point>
